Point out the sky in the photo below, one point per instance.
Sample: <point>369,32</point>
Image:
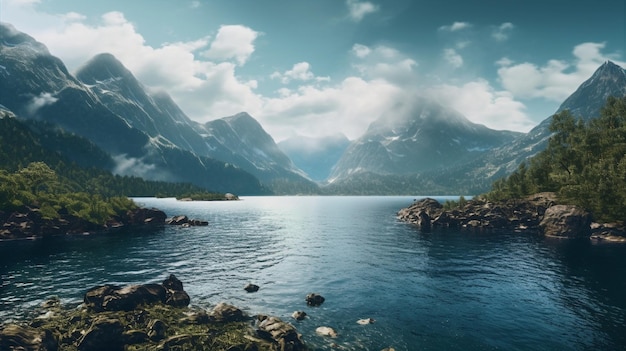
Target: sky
<point>318,67</point>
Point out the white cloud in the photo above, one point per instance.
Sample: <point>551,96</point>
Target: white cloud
<point>301,71</point>
<point>456,26</point>
<point>37,102</point>
<point>502,32</point>
<point>357,10</point>
<point>384,62</point>
<point>481,103</point>
<point>453,58</point>
<point>556,79</point>
<point>233,42</point>
<point>195,4</point>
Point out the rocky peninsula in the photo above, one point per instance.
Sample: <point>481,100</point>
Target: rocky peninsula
<point>29,223</point>
<point>539,214</point>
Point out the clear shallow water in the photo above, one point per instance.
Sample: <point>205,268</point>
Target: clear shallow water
<point>440,291</point>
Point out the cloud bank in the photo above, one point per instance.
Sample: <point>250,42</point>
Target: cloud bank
<point>203,75</point>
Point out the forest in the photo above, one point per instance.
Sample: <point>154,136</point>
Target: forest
<point>584,164</point>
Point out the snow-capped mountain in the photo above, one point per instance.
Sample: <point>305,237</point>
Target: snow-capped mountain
<point>315,156</point>
<point>430,137</point>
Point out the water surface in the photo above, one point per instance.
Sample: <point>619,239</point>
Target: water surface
<point>438,291</point>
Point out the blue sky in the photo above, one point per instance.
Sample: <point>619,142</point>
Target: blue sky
<point>317,67</point>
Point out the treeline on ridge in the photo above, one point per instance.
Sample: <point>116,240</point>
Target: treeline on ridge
<point>584,164</point>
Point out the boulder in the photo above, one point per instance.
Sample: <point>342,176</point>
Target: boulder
<point>284,334</point>
<point>299,315</point>
<point>114,298</point>
<point>313,299</point>
<point>326,331</point>
<point>15,337</point>
<point>566,221</point>
<point>251,288</point>
<point>104,335</point>
<point>224,312</point>
<point>156,329</point>
<point>173,283</point>
<point>177,298</point>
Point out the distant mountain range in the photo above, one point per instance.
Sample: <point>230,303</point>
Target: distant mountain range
<point>432,150</point>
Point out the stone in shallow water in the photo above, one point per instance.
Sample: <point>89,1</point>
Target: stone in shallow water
<point>326,331</point>
<point>313,299</point>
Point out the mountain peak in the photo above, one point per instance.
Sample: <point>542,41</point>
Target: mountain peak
<point>102,67</point>
<point>608,80</point>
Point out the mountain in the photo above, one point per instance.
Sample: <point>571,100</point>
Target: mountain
<point>36,85</point>
<point>241,140</point>
<point>238,140</point>
<point>430,137</point>
<point>315,156</point>
<point>586,102</point>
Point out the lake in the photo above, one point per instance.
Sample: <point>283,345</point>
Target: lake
<point>445,290</point>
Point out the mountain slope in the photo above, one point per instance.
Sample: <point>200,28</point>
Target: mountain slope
<point>431,137</point>
<point>608,80</point>
<point>36,85</point>
<point>238,140</point>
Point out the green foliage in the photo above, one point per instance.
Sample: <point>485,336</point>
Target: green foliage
<point>452,204</point>
<point>38,185</point>
<point>584,163</point>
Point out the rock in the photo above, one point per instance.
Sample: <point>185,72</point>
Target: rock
<point>313,299</point>
<point>199,317</point>
<point>299,315</point>
<point>173,283</point>
<point>132,337</point>
<point>184,221</point>
<point>251,288</point>
<point>326,331</point>
<point>177,298</point>
<point>15,337</point>
<point>366,321</point>
<point>283,333</point>
<point>224,312</point>
<point>156,329</point>
<point>104,335</point>
<point>115,298</point>
<point>566,221</point>
<point>143,216</point>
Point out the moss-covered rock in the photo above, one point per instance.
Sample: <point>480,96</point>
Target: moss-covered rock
<point>148,326</point>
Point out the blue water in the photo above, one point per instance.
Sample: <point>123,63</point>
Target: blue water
<point>438,291</point>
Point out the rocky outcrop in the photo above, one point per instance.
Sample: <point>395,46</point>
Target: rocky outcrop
<point>185,221</point>
<point>28,222</point>
<point>538,213</point>
<point>115,298</point>
<point>480,214</point>
<point>566,221</point>
<point>136,318</point>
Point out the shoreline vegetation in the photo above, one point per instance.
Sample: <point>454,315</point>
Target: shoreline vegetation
<point>576,187</point>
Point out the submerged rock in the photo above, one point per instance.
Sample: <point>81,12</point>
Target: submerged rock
<point>299,315</point>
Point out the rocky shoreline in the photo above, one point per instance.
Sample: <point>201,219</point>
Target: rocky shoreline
<point>28,223</point>
<point>147,317</point>
<point>536,214</point>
